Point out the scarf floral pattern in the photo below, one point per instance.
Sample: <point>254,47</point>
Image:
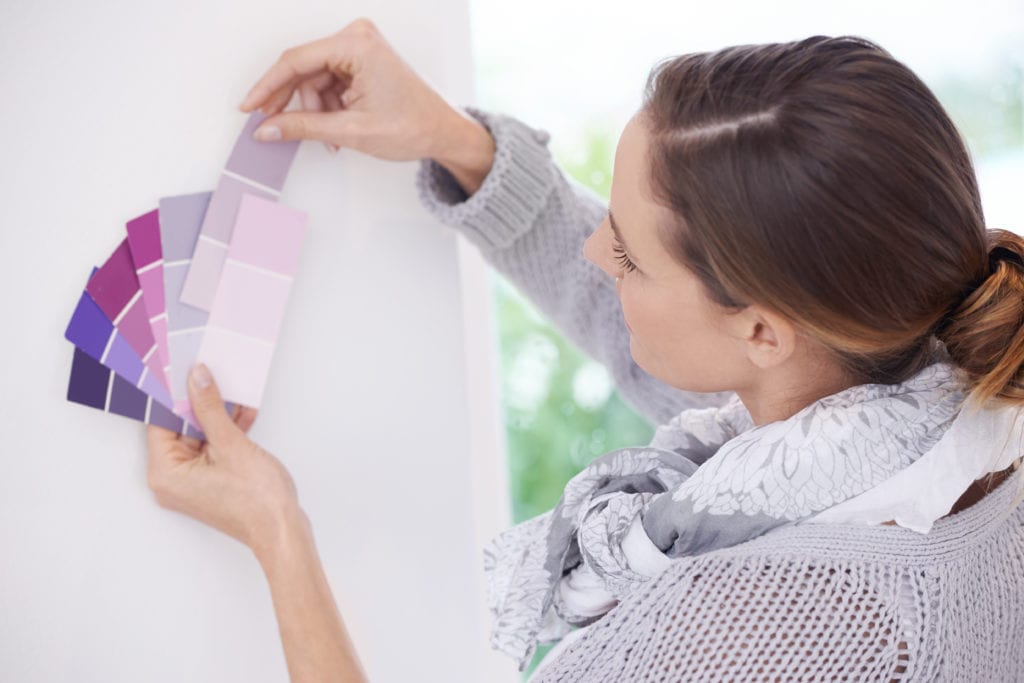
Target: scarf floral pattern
<point>709,479</point>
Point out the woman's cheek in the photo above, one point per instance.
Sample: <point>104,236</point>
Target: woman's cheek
<point>630,309</point>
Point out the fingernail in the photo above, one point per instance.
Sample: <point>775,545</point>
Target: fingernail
<point>267,133</point>
<point>201,376</point>
<point>250,96</point>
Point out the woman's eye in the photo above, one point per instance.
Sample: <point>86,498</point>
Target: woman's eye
<point>624,261</point>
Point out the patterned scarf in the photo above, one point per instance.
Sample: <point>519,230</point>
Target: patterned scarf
<point>709,479</point>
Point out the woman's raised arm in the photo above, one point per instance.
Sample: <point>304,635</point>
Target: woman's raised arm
<point>489,176</point>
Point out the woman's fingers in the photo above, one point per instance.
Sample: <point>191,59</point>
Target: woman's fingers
<point>331,100</point>
<point>158,438</point>
<point>311,93</point>
<point>325,126</point>
<point>208,406</point>
<point>281,78</point>
<point>332,54</point>
<point>310,96</point>
<point>283,95</point>
<point>338,92</point>
<point>245,417</point>
<point>356,92</point>
<point>280,99</point>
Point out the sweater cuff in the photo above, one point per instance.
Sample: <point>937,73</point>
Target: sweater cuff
<point>512,194</point>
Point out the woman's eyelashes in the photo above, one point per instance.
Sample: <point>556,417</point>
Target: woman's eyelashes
<point>623,259</point>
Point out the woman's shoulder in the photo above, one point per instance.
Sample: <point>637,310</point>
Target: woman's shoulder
<point>991,506</point>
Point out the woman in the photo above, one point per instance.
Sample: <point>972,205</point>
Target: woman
<point>797,286</point>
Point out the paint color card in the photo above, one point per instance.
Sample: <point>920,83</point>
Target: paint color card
<point>93,333</point>
<point>180,219</point>
<point>257,168</point>
<point>250,302</point>
<point>94,385</point>
<point>115,288</point>
<point>147,255</point>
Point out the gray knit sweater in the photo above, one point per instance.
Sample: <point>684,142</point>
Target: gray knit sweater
<point>807,603</point>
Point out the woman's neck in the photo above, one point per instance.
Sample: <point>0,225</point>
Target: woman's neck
<point>779,392</point>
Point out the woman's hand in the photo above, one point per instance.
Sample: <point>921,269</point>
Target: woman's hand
<point>357,92</point>
<point>234,485</point>
<point>227,481</point>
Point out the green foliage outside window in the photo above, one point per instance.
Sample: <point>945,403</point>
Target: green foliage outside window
<point>561,410</point>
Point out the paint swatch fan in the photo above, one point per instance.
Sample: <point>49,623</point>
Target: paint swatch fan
<point>203,278</point>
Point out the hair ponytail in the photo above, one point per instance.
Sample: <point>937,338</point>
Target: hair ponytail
<point>984,333</point>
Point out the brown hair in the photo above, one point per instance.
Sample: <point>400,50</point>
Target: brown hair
<point>823,179</point>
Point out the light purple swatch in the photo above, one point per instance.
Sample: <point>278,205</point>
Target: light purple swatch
<point>180,219</point>
<point>254,167</point>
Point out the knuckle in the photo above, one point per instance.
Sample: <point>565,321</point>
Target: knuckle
<point>364,27</point>
<point>361,31</point>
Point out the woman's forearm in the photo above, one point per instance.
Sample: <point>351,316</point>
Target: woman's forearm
<point>316,644</point>
<point>468,152</point>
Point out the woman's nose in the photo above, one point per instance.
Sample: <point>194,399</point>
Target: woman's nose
<point>593,251</point>
<point>588,248</point>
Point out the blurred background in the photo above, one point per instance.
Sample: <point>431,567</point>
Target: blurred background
<point>577,70</point>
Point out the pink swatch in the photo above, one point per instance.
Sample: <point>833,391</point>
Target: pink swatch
<point>144,243</point>
<point>249,306</point>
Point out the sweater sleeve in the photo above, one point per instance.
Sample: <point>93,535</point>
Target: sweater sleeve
<point>529,221</point>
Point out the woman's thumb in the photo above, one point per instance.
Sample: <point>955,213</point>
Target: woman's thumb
<point>208,406</point>
<point>325,126</point>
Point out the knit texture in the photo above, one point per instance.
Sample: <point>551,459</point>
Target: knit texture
<point>826,603</point>
<point>799,603</point>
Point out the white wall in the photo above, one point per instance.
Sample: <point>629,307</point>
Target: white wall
<point>381,400</point>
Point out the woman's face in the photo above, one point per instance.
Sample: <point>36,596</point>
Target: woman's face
<point>676,333</point>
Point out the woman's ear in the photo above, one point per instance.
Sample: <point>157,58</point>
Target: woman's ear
<point>769,338</point>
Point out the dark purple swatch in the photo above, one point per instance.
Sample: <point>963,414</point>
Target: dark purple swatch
<point>88,386</point>
<point>91,330</point>
<point>124,401</point>
<point>89,380</point>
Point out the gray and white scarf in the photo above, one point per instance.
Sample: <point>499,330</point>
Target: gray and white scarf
<point>711,479</point>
